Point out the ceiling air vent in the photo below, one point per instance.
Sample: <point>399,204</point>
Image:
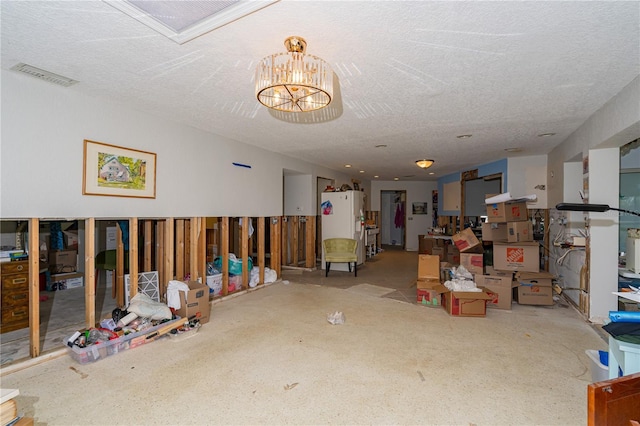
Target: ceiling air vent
<point>44,75</point>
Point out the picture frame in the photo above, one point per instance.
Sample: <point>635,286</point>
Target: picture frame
<point>116,171</point>
<point>420,208</point>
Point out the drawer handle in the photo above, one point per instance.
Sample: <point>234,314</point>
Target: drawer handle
<point>20,280</point>
<point>19,313</point>
<point>19,267</point>
<point>19,296</point>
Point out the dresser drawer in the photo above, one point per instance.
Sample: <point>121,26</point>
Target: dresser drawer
<point>15,314</point>
<point>15,282</point>
<point>14,298</point>
<point>14,267</point>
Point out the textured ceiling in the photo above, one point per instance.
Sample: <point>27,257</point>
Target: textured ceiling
<point>411,75</point>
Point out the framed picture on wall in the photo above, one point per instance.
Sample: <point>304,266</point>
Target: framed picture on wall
<point>420,208</point>
<point>118,171</point>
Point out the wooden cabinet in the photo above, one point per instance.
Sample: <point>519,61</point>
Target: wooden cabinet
<point>15,295</point>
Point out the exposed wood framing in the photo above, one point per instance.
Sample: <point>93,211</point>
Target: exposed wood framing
<point>245,252</point>
<point>194,240</point>
<point>294,241</point>
<point>276,254</point>
<point>224,253</point>
<point>119,268</point>
<point>187,248</point>
<point>169,229</point>
<point>202,248</point>
<point>34,287</point>
<point>133,257</point>
<point>160,262</point>
<point>148,245</point>
<point>310,238</point>
<point>261,241</point>
<point>179,247</point>
<point>284,238</point>
<point>90,272</point>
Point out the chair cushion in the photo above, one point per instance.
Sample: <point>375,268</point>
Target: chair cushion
<point>340,257</point>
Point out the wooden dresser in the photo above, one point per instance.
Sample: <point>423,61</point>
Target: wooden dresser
<point>15,295</point>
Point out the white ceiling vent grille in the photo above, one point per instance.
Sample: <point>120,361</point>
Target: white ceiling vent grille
<point>44,75</point>
<point>182,21</point>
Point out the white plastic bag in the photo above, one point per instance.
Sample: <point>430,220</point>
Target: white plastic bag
<point>336,318</point>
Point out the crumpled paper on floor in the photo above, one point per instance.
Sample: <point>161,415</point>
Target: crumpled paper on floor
<point>336,318</point>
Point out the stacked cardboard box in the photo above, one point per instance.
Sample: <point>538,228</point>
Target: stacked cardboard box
<point>516,258</point>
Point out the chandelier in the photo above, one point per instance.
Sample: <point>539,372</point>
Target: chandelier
<point>294,81</point>
<point>424,164</point>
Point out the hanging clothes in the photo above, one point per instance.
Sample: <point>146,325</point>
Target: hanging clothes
<point>399,219</point>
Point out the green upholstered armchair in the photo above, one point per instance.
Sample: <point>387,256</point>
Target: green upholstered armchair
<point>341,250</point>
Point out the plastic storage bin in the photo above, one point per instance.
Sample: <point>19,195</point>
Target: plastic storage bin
<point>215,283</point>
<point>599,365</point>
<point>93,353</point>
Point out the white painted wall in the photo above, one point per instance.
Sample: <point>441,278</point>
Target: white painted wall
<point>416,192</point>
<point>299,199</point>
<point>43,128</point>
<point>527,176</point>
<point>604,188</point>
<point>613,125</point>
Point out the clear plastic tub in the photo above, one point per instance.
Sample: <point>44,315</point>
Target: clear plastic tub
<point>94,353</point>
<point>599,365</point>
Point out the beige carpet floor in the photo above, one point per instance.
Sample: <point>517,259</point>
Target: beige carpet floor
<point>271,357</point>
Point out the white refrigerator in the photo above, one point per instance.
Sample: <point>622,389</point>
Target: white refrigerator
<point>343,217</point>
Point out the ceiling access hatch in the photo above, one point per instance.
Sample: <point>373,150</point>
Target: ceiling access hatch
<point>182,21</point>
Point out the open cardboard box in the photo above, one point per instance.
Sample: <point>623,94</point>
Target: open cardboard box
<point>428,279</point>
<point>467,242</point>
<point>464,303</point>
<point>195,302</point>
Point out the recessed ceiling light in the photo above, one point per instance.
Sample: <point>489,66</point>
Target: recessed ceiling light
<point>381,146</point>
<point>431,173</point>
<point>396,178</point>
<point>361,171</point>
<point>545,135</point>
<point>376,176</point>
<point>347,165</point>
<point>463,136</point>
<point>512,149</point>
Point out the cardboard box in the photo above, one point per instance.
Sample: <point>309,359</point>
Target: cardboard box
<point>494,232</point>
<point>453,255</point>
<point>464,303</point>
<point>535,288</point>
<point>516,256</point>
<point>489,270</point>
<point>441,252</point>
<point>499,288</point>
<point>195,301</point>
<point>507,212</point>
<point>519,231</point>
<point>466,241</point>
<point>428,296</point>
<point>63,261</point>
<point>473,262</point>
<point>428,271</point>
<point>70,239</point>
<point>65,281</point>
<point>425,244</point>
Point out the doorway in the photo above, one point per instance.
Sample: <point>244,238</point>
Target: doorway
<point>393,218</point>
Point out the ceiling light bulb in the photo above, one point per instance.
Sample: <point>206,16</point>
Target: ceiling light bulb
<point>361,171</point>
<point>395,178</point>
<point>347,165</point>
<point>376,176</point>
<point>424,163</point>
